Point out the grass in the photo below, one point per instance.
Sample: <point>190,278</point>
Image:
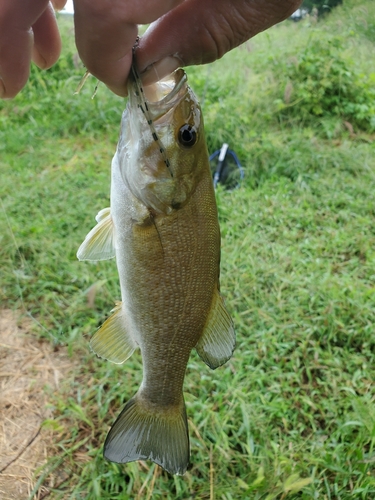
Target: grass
<point>292,415</point>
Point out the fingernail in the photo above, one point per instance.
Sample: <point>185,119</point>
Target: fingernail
<point>38,59</point>
<point>160,69</point>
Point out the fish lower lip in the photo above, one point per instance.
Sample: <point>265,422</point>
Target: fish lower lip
<point>166,89</point>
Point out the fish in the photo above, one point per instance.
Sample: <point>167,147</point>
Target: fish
<point>162,227</point>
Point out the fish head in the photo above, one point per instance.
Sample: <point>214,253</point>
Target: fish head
<point>162,151</point>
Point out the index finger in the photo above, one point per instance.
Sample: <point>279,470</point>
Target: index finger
<point>106,33</point>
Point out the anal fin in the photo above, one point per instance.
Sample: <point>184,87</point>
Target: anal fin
<point>112,341</point>
<point>218,340</point>
<point>99,243</point>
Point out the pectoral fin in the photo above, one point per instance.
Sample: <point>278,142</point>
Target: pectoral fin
<point>99,243</point>
<point>112,341</point>
<point>218,340</point>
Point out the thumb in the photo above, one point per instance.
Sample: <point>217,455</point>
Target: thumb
<point>199,32</point>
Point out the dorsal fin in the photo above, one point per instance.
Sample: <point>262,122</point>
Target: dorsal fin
<point>218,340</point>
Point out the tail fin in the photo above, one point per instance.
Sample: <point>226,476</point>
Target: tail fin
<point>143,432</point>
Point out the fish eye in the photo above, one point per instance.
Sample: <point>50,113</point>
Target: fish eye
<point>187,136</point>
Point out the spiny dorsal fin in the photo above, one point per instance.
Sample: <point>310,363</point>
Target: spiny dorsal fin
<point>218,340</point>
<point>112,341</point>
<point>99,243</point>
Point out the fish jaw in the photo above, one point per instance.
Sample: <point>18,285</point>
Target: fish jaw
<point>162,181</point>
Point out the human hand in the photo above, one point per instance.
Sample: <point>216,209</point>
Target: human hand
<point>185,32</point>
<point>28,31</point>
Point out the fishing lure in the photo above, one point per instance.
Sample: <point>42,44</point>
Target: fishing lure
<point>142,104</point>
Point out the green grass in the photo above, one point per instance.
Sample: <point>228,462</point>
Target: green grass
<point>292,415</point>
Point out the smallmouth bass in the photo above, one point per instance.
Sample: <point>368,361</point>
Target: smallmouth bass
<point>163,229</point>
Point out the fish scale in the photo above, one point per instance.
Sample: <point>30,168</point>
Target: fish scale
<point>163,229</point>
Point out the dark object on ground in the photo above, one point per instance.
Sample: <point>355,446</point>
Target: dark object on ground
<point>226,168</point>
<point>323,6</point>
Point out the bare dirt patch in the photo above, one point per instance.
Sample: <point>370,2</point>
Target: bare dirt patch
<point>30,371</point>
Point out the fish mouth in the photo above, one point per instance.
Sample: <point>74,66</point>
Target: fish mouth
<point>161,96</point>
<point>165,89</point>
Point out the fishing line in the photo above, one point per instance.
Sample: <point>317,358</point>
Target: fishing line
<point>158,78</point>
<point>143,105</point>
<point>154,67</point>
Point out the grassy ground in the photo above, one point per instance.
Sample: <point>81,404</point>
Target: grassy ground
<point>292,415</point>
